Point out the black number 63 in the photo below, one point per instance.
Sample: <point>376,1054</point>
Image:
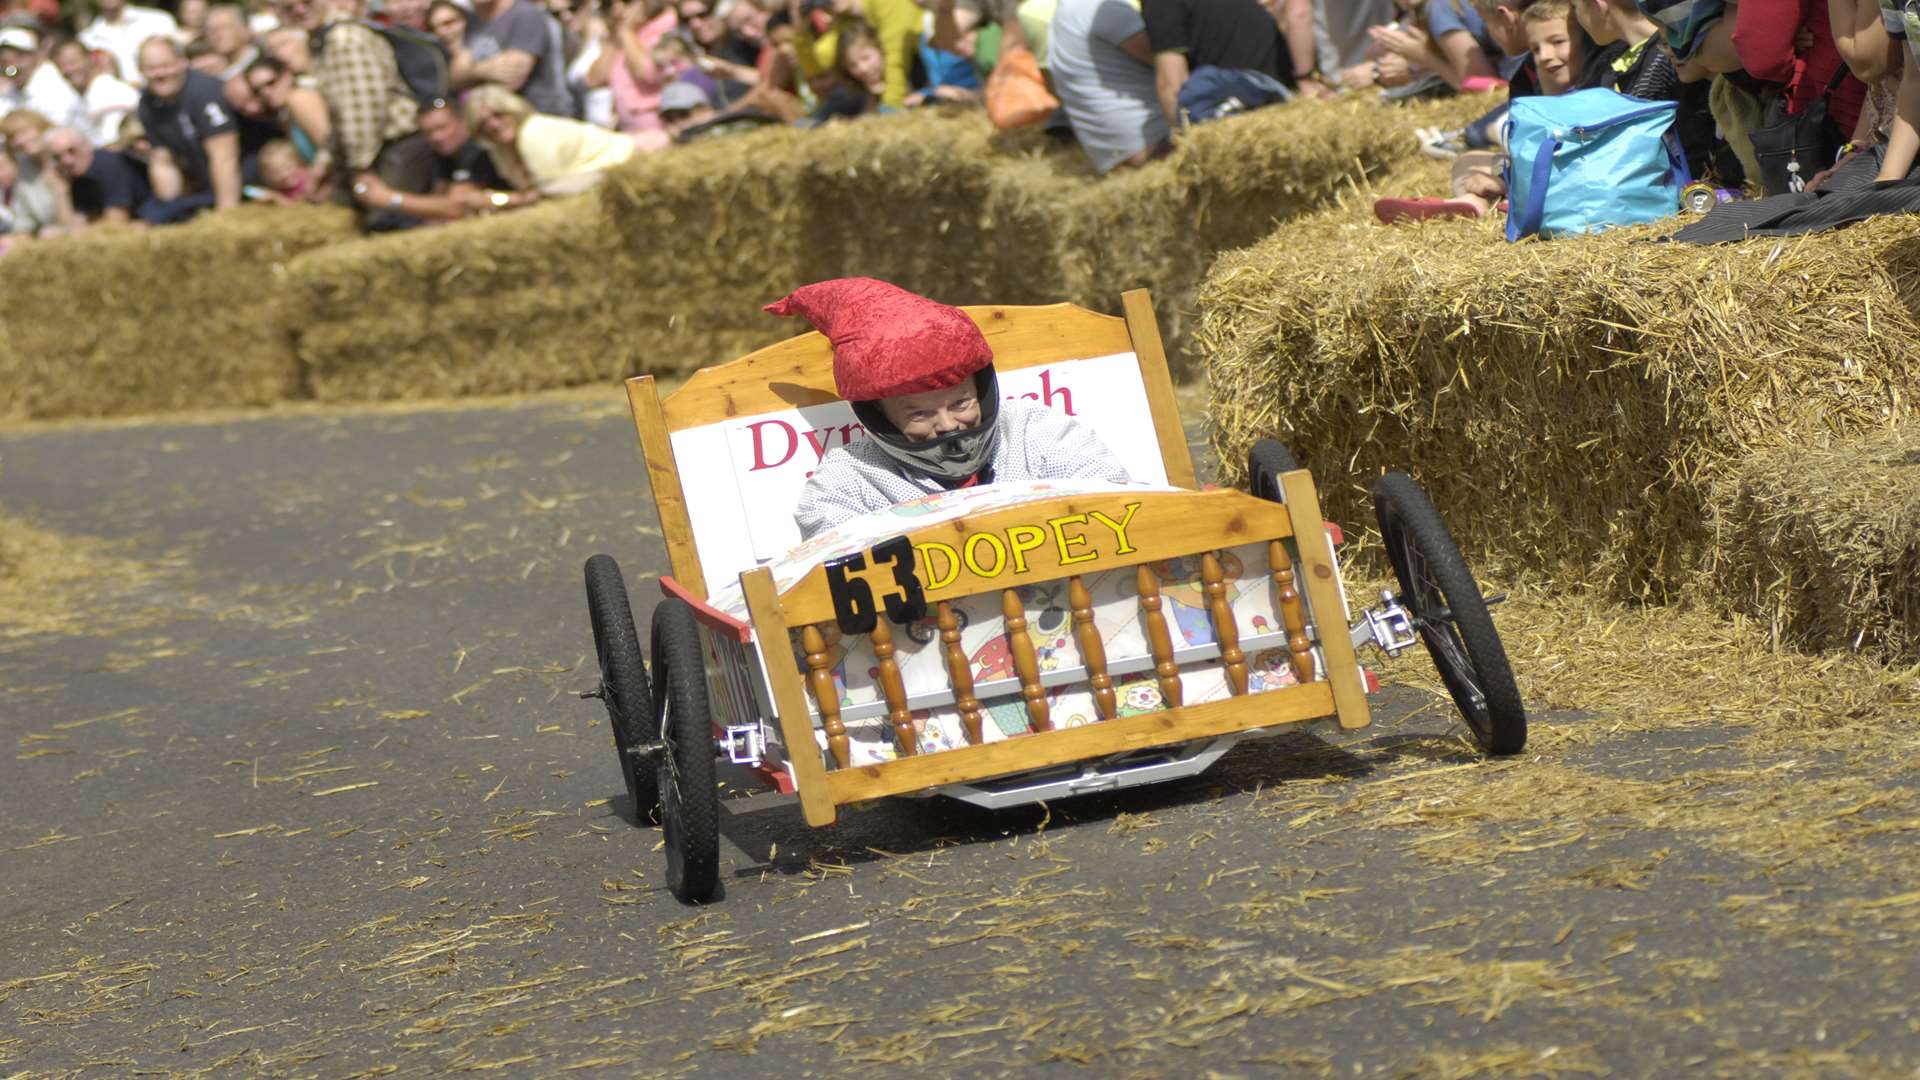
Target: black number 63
<point>854,609</point>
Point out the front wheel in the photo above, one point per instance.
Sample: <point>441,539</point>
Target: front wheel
<point>1450,614</point>
<point>623,681</point>
<point>689,797</point>
<point>1267,461</point>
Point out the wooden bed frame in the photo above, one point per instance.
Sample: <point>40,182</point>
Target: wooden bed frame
<point>798,372</point>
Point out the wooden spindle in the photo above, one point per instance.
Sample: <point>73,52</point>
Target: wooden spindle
<point>820,681</point>
<point>1292,615</point>
<point>1024,661</point>
<point>1224,628</point>
<point>959,673</point>
<point>893,688</point>
<point>1093,652</point>
<point>1159,641</point>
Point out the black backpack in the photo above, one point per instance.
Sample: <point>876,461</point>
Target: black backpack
<point>421,58</point>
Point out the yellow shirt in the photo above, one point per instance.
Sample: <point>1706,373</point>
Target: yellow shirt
<point>552,147</point>
<point>895,22</point>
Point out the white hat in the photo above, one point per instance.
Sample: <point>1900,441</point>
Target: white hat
<point>19,37</point>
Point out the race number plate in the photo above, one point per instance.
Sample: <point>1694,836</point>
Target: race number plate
<point>855,609</point>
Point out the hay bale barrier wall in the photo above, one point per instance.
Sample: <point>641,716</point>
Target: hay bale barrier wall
<point>522,301</point>
<point>122,321</point>
<point>1581,409</point>
<point>664,269</point>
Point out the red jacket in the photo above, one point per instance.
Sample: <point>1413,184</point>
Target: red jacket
<point>1763,34</point>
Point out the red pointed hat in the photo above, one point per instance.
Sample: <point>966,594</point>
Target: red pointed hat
<point>886,340</point>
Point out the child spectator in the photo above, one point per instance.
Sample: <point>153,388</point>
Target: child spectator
<point>1546,32</point>
<point>1630,59</point>
<point>894,26</point>
<point>286,176</point>
<point>860,82</point>
<point>920,378</point>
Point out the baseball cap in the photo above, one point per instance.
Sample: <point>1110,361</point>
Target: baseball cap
<point>680,96</point>
<point>19,37</point>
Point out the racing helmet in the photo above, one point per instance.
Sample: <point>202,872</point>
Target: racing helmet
<point>888,342</point>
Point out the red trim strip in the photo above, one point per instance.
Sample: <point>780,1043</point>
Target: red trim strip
<point>1334,534</point>
<point>716,620</point>
<point>779,778</point>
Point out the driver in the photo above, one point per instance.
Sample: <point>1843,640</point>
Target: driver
<point>919,375</point>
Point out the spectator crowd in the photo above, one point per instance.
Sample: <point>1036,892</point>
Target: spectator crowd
<point>424,111</point>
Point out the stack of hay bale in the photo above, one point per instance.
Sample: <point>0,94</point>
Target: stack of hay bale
<point>1649,420</point>
<point>124,321</point>
<point>663,269</point>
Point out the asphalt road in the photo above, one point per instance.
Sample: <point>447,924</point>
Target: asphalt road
<point>314,796</point>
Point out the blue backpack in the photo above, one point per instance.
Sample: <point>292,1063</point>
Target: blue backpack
<point>1590,160</point>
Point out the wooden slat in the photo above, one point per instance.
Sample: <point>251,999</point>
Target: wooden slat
<point>789,699</point>
<point>1144,331</point>
<point>1025,663</point>
<point>799,371</point>
<point>820,681</point>
<point>1292,615</point>
<point>959,673</point>
<point>972,763</point>
<point>1225,630</point>
<point>1159,639</point>
<point>1159,525</point>
<point>669,499</point>
<point>893,688</point>
<point>1093,651</point>
<point>1323,595</point>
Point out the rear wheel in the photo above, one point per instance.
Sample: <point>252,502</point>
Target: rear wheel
<point>1268,459</point>
<point>623,681</point>
<point>689,798</point>
<point>1450,614</point>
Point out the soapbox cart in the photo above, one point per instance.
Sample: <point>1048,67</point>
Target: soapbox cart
<point>1001,644</point>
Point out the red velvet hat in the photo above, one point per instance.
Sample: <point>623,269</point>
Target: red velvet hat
<point>886,340</point>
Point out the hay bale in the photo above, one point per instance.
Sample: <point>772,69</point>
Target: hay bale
<point>119,321</point>
<point>1821,542</point>
<point>537,298</point>
<point>1569,403</point>
<point>942,204</point>
<point>1227,185</point>
<point>666,267</point>
<point>934,202</point>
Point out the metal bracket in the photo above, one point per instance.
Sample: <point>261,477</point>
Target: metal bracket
<point>1388,626</point>
<point>744,744</point>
